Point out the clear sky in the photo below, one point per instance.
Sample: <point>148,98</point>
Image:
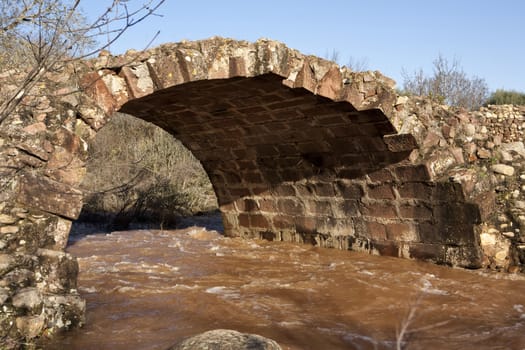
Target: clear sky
<point>486,36</point>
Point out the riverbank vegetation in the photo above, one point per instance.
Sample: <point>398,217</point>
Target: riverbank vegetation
<point>139,172</point>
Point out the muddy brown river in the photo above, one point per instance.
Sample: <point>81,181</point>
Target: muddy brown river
<point>147,289</point>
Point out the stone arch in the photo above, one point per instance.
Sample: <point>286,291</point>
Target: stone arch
<point>297,148</point>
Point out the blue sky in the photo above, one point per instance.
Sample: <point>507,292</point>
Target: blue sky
<point>487,37</point>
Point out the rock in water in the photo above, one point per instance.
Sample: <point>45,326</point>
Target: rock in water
<point>224,339</point>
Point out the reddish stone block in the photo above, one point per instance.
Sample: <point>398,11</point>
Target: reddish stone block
<point>240,192</point>
<point>304,190</point>
<point>416,190</point>
<point>429,252</point>
<point>232,177</point>
<point>93,85</point>
<point>292,174</point>
<point>247,205</point>
<point>449,192</point>
<point>318,207</point>
<point>266,151</point>
<point>380,192</point>
<point>386,248</point>
<point>291,206</point>
<point>267,205</point>
<point>350,207</point>
<point>252,177</point>
<point>376,231</point>
<point>457,213</point>
<point>345,131</point>
<point>379,210</point>
<point>331,84</point>
<point>323,189</point>
<point>382,175</point>
<point>282,222</point>
<point>305,224</point>
<point>259,221</point>
<point>402,232</point>
<point>419,212</point>
<point>458,235</point>
<point>244,220</point>
<point>50,196</point>
<point>284,190</point>
<point>430,233</point>
<point>400,142</point>
<point>349,190</point>
<point>412,173</point>
<point>352,173</point>
<point>269,236</point>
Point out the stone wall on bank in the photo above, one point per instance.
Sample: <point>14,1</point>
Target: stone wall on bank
<point>296,148</point>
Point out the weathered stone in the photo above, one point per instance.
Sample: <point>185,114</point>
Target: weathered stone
<point>7,219</point>
<point>6,262</point>
<point>484,153</point>
<point>4,294</point>
<point>29,298</point>
<point>30,326</point>
<point>503,169</point>
<point>517,147</point>
<point>51,196</point>
<point>5,230</point>
<point>223,339</point>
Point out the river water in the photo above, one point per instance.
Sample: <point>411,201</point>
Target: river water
<point>147,289</point>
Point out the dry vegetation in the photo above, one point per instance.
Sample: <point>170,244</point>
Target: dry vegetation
<point>137,171</point>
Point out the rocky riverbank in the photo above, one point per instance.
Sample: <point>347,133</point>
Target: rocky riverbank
<point>481,149</point>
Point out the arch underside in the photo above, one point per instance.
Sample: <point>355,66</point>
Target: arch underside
<point>287,164</point>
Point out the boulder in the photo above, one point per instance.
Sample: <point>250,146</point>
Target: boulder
<point>224,339</point>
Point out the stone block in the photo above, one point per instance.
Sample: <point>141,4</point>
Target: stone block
<point>457,213</point>
<point>138,80</point>
<point>93,85</point>
<point>331,84</point>
<point>349,190</point>
<point>319,207</point>
<point>382,175</point>
<point>385,248</point>
<point>380,192</point>
<point>379,210</point>
<point>426,251</point>
<point>281,222</point>
<point>400,142</point>
<point>402,232</point>
<point>412,173</point>
<point>323,189</point>
<point>420,212</point>
<point>259,221</point>
<point>305,224</point>
<point>376,231</point>
<point>244,220</point>
<point>291,206</point>
<point>50,196</point>
<point>416,190</point>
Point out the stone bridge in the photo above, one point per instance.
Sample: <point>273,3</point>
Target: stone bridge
<point>296,148</point>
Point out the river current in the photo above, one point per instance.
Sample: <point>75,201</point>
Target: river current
<point>147,289</point>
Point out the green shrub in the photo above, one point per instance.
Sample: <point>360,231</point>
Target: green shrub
<point>506,97</point>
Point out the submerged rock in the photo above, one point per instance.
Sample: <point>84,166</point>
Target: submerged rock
<point>224,339</point>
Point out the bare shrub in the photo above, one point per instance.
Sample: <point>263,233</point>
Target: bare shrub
<point>448,84</point>
<point>152,178</point>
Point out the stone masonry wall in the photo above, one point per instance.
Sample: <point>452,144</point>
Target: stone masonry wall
<point>296,148</point>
